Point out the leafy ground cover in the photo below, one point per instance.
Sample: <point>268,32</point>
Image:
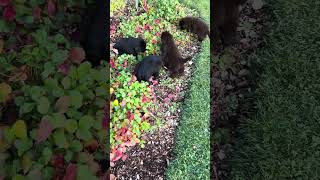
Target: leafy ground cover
<point>279,140</point>
<point>52,112</point>
<point>160,100</point>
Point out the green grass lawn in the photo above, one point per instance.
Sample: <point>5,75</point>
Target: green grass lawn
<point>282,140</point>
<point>192,146</point>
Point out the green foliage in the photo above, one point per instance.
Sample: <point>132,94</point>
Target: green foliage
<point>116,5</point>
<point>129,110</point>
<point>160,16</point>
<point>62,102</point>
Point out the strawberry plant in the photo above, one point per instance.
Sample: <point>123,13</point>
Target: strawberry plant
<point>160,16</point>
<point>129,112</point>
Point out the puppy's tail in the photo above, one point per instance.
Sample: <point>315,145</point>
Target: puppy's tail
<point>184,60</point>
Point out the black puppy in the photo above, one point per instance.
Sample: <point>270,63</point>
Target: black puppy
<point>171,56</point>
<point>195,25</point>
<point>94,32</point>
<point>149,66</point>
<point>130,45</point>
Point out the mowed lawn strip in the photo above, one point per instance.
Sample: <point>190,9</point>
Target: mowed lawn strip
<point>282,140</point>
<point>192,148</point>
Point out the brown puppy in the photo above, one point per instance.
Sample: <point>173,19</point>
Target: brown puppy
<point>225,21</point>
<point>195,25</point>
<point>171,56</point>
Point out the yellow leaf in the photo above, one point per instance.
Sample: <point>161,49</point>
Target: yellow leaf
<point>116,102</point>
<point>26,163</point>
<point>5,90</point>
<point>20,129</point>
<point>111,90</point>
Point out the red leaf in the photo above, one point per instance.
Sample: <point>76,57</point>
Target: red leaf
<point>71,172</point>
<point>9,13</point>
<point>154,41</point>
<point>36,12</point>
<point>57,161</point>
<point>64,68</point>
<point>145,6</point>
<point>158,34</point>
<point>51,7</point>
<point>125,64</point>
<point>124,157</point>
<point>166,100</point>
<point>144,99</point>
<point>138,29</point>
<point>44,131</point>
<point>154,82</point>
<point>157,21</point>
<point>112,63</point>
<point>4,2</point>
<point>77,55</point>
<point>171,96</point>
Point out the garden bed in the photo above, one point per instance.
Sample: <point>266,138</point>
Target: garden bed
<point>151,161</point>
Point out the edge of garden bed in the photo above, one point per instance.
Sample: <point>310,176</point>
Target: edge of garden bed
<point>192,146</point>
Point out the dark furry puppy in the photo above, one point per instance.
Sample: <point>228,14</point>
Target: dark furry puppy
<point>196,26</point>
<point>226,20</point>
<point>149,66</point>
<point>93,32</point>
<point>171,56</point>
<point>130,45</point>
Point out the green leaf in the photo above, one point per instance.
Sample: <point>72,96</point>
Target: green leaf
<point>4,28</point>
<point>26,163</point>
<point>57,120</point>
<point>76,99</point>
<point>20,129</point>
<point>18,177</point>
<point>59,56</point>
<point>84,173</point>
<point>46,155</point>
<point>100,91</point>
<point>84,134</point>
<point>59,38</point>
<point>83,70</point>
<point>68,156</point>
<point>43,105</point>
<point>9,134</point>
<point>47,172</point>
<point>49,69</point>
<point>76,146</point>
<point>86,122</point>
<point>71,125</point>
<point>26,108</point>
<point>60,139</point>
<point>66,82</point>
<point>23,145</point>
